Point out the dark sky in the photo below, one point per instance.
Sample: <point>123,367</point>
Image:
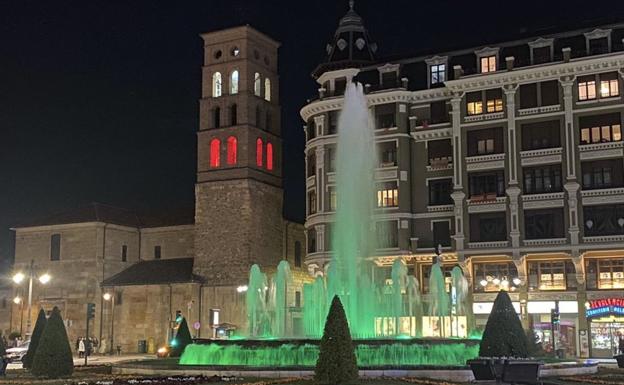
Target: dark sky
<point>98,98</point>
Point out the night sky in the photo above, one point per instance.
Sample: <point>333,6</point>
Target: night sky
<point>99,99</point>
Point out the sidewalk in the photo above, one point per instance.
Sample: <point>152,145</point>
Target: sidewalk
<point>97,360</point>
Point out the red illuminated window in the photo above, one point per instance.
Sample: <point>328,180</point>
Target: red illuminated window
<point>259,152</point>
<point>269,156</point>
<point>215,156</point>
<point>231,150</point>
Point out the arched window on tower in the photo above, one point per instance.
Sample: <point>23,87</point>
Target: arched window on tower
<point>217,84</point>
<point>258,116</point>
<point>267,89</point>
<point>233,115</point>
<point>232,149</point>
<point>215,153</point>
<point>234,82</point>
<point>257,84</point>
<point>217,117</point>
<point>259,152</point>
<point>269,156</point>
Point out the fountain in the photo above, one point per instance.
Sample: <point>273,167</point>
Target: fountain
<point>385,315</point>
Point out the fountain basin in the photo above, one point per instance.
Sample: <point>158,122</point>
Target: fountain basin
<point>302,353</point>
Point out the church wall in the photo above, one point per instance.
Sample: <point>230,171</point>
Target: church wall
<point>175,241</point>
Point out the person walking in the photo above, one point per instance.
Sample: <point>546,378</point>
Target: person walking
<point>81,348</point>
<point>621,345</point>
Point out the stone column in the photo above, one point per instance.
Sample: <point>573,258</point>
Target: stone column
<point>581,297</point>
<point>458,195</point>
<point>320,179</point>
<point>571,186</point>
<point>513,191</point>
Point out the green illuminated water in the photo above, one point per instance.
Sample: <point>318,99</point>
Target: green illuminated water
<point>289,354</point>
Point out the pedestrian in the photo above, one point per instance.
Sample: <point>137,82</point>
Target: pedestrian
<point>621,345</point>
<point>81,347</point>
<point>4,361</point>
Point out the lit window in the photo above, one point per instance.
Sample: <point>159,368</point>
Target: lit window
<point>232,148</point>
<point>475,108</point>
<point>388,195</point>
<point>267,89</point>
<point>438,73</point>
<point>495,105</point>
<point>216,85</point>
<point>488,64</point>
<point>259,152</point>
<point>587,89</point>
<point>234,82</point>
<point>332,198</point>
<point>257,84</point>
<point>269,160</point>
<point>602,134</point>
<point>609,88</point>
<point>215,155</point>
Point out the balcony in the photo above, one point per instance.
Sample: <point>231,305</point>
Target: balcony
<point>604,150</point>
<point>545,242</point>
<point>486,203</point>
<point>541,156</point>
<point>539,110</point>
<point>542,201</point>
<point>390,172</point>
<point>488,245</point>
<point>602,196</point>
<point>485,162</point>
<point>484,117</point>
<point>440,208</point>
<point>443,163</point>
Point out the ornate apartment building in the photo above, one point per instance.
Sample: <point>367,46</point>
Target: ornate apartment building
<point>140,271</point>
<point>509,156</point>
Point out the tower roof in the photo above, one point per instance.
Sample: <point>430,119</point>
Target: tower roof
<point>351,45</point>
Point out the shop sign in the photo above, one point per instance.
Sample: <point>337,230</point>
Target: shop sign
<point>606,306</point>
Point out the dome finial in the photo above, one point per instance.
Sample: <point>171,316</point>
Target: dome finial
<point>351,4</point>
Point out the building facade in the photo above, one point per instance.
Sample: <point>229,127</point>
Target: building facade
<point>509,156</point>
<point>141,272</point>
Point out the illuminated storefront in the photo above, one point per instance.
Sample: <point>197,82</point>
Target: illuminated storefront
<point>606,323</point>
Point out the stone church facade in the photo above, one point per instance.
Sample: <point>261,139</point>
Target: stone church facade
<point>138,271</point>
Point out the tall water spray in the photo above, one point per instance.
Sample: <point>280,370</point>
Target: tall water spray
<point>278,298</point>
<point>257,313</point>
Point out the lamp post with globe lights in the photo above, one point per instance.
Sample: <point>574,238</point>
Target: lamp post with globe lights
<point>110,297</point>
<point>18,278</point>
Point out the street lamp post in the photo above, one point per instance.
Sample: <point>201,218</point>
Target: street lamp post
<point>18,278</point>
<point>111,297</point>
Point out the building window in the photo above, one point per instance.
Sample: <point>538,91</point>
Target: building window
<point>494,100</point>
<point>541,54</point>
<point>124,253</point>
<point>267,89</point>
<point>609,85</point>
<point>528,95</point>
<point>311,129</point>
<point>438,73</point>
<point>388,195</point>
<point>331,190</point>
<point>426,275</point>
<point>440,153</point>
<point>311,165</point>
<point>234,82</point>
<point>311,202</point>
<point>388,154</point>
<point>216,117</point>
<point>387,234</point>
<point>604,220</point>
<point>551,275</point>
<point>441,233</point>
<point>438,112</point>
<point>599,46</point>
<point>157,252</point>
<point>605,273</point>
<point>486,186</point>
<point>215,153</point>
<point>488,64</point>
<point>311,241</point>
<point>543,224</point>
<point>332,122</point>
<point>549,93</point>
<point>340,85</point>
<point>490,227</point>
<point>297,254</point>
<point>540,180</point>
<point>232,149</point>
<point>259,154</point>
<point>602,174</point>
<point>257,85</point>
<point>474,103</point>
<point>217,84</point>
<point>385,115</point>
<point>55,247</point>
<point>491,277</point>
<point>331,159</point>
<point>600,128</point>
<point>587,87</point>
<point>233,115</point>
<point>440,192</point>
<point>269,155</point>
<point>484,142</point>
<point>540,135</point>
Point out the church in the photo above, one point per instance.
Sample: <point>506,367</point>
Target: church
<point>141,272</point>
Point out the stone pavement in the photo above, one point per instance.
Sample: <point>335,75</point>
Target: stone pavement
<point>98,360</point>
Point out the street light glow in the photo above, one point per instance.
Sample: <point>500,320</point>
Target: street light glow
<point>18,277</point>
<point>17,300</point>
<point>45,278</point>
<point>107,296</point>
<point>242,289</point>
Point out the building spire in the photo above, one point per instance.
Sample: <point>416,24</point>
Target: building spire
<point>351,4</point>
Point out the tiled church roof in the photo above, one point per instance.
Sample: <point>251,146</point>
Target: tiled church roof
<point>155,272</point>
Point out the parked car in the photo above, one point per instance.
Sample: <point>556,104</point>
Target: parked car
<point>18,352</point>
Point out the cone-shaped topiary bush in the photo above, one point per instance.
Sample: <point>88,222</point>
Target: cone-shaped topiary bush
<point>503,335</point>
<point>34,339</point>
<point>182,338</point>
<point>2,347</point>
<point>53,358</point>
<point>336,363</point>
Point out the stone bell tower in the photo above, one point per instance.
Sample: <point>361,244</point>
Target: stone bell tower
<point>238,195</point>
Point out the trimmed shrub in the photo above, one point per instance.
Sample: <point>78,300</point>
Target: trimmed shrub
<point>34,339</point>
<point>336,363</point>
<point>2,348</point>
<point>182,338</point>
<point>53,358</point>
<point>503,335</point>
